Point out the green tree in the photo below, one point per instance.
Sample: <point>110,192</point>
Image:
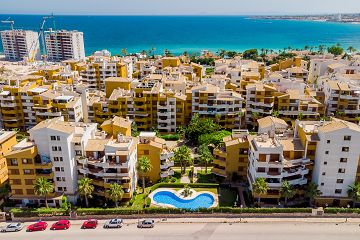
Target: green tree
<point>221,53</point>
<point>322,49</point>
<point>336,50</point>
<point>199,126</point>
<point>134,129</point>
<point>287,191</point>
<point>205,156</point>
<point>115,193</point>
<point>354,192</point>
<point>181,131</point>
<point>124,52</point>
<point>300,116</point>
<point>231,54</point>
<point>187,192</point>
<point>214,138</point>
<point>182,155</point>
<point>260,187</point>
<point>255,116</point>
<point>85,189</point>
<point>143,167</point>
<point>312,192</point>
<point>43,187</point>
<point>351,49</point>
<point>275,114</point>
<point>251,54</point>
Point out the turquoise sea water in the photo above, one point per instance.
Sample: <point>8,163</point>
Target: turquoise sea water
<point>195,33</point>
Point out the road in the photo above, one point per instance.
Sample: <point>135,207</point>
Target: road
<point>202,231</point>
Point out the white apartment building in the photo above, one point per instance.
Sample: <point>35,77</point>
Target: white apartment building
<point>20,44</point>
<point>63,45</point>
<point>336,158</point>
<point>277,158</point>
<point>166,116</point>
<point>60,142</point>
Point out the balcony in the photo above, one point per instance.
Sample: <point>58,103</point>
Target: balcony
<point>164,156</point>
<point>12,105</point>
<point>219,172</point>
<point>167,173</point>
<point>166,165</point>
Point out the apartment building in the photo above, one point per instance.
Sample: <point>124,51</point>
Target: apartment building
<point>7,141</point>
<point>260,101</point>
<point>20,44</point>
<point>342,100</point>
<point>110,160</point>
<point>63,45</point>
<point>231,157</point>
<point>277,156</point>
<point>336,157</point>
<point>222,105</point>
<point>160,156</point>
<point>101,68</point>
<point>23,106</point>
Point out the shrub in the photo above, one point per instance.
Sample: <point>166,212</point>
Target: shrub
<point>342,210</point>
<point>29,212</point>
<point>181,185</point>
<point>213,138</point>
<point>171,137</point>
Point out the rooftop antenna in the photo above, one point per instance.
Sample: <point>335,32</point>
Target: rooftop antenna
<point>8,21</point>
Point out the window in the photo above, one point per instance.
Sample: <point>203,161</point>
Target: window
<point>56,148</point>
<point>29,182</point>
<point>14,162</point>
<point>27,171</point>
<point>58,179</point>
<point>326,152</point>
<point>324,173</point>
<point>325,163</point>
<point>344,160</point>
<point>59,169</point>
<point>322,184</point>
<point>60,189</point>
<point>340,180</point>
<point>26,161</point>
<point>345,149</point>
<point>347,138</point>
<point>327,141</point>
<point>53,138</point>
<point>341,170</point>
<point>338,191</point>
<point>78,152</point>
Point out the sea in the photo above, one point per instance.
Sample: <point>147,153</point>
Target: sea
<point>194,33</point>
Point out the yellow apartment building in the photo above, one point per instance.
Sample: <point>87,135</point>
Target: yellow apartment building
<point>7,141</point>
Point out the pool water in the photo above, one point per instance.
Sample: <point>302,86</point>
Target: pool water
<point>203,200</point>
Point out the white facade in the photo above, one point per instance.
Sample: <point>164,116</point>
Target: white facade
<point>57,141</point>
<point>20,44</point>
<point>337,158</point>
<point>63,45</point>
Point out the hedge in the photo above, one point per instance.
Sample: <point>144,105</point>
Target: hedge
<point>170,137</point>
<point>342,210</point>
<point>48,212</point>
<point>154,210</point>
<point>181,185</point>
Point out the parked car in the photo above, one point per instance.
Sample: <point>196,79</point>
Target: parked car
<point>39,226</point>
<point>147,223</point>
<point>61,225</point>
<point>13,227</point>
<point>91,223</point>
<point>114,223</point>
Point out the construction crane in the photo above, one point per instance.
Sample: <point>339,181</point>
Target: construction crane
<point>8,21</point>
<point>41,35</point>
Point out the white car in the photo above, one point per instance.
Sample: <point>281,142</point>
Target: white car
<point>147,223</point>
<point>13,227</point>
<point>114,223</point>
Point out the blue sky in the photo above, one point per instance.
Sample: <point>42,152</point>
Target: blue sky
<point>178,7</point>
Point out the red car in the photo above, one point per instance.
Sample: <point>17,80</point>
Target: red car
<point>39,226</point>
<point>91,223</point>
<point>61,225</point>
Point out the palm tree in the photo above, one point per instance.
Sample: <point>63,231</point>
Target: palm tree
<point>339,113</point>
<point>85,189</point>
<point>287,191</point>
<point>143,52</point>
<point>183,156</point>
<point>351,49</point>
<point>143,167</point>
<point>43,187</point>
<point>240,115</point>
<point>275,114</point>
<point>358,120</point>
<point>221,53</point>
<point>255,116</point>
<point>354,192</point>
<point>260,187</point>
<point>187,191</point>
<point>312,192</point>
<point>205,156</point>
<point>217,118</point>
<point>300,116</point>
<point>124,51</point>
<point>115,193</point>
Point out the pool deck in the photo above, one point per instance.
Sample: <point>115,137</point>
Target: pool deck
<point>178,194</point>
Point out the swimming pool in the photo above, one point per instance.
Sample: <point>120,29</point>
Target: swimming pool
<point>202,200</point>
